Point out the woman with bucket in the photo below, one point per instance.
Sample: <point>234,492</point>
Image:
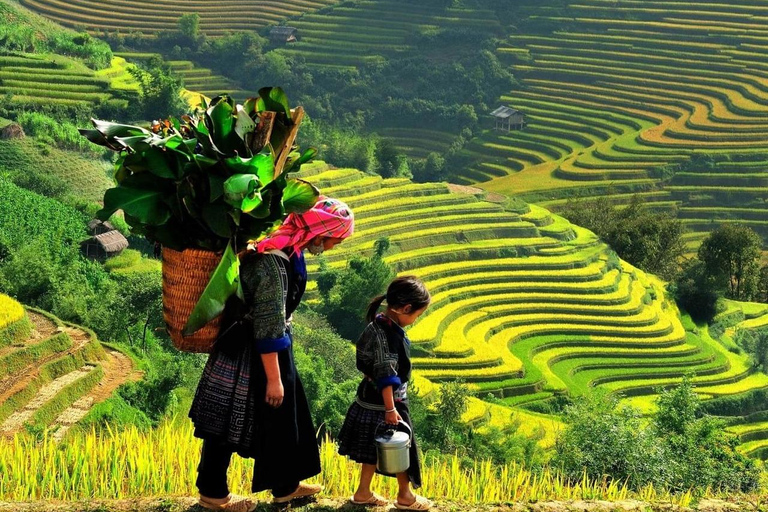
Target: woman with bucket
<point>250,399</point>
<point>383,355</point>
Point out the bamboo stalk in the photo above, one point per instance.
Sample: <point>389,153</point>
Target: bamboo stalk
<point>297,114</point>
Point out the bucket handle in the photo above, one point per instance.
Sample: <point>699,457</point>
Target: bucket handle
<point>395,427</point>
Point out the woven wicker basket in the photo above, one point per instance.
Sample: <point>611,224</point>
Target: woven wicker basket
<point>185,276</point>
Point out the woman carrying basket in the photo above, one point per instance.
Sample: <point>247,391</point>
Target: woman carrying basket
<point>250,399</point>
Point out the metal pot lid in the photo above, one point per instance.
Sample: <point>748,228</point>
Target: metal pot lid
<point>396,440</point>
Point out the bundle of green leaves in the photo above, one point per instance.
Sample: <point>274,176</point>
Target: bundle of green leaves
<point>212,180</point>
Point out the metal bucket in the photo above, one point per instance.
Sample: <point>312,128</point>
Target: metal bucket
<point>393,448</point>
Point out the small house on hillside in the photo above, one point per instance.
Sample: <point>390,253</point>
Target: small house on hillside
<point>284,34</point>
<point>97,227</point>
<point>104,245</point>
<point>508,118</point>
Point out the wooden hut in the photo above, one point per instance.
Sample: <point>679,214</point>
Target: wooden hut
<point>97,227</point>
<point>284,34</point>
<point>508,118</point>
<point>104,245</point>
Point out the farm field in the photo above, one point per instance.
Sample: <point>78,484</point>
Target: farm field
<point>527,306</point>
<point>35,80</point>
<point>135,16</point>
<point>53,372</point>
<point>616,93</point>
<point>197,79</point>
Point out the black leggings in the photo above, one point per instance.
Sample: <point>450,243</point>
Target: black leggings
<point>212,472</point>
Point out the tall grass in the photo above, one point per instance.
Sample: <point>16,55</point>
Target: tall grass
<point>130,463</point>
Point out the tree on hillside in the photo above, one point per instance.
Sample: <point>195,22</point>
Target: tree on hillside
<point>755,343</point>
<point>345,293</point>
<point>696,291</point>
<point>700,453</point>
<point>681,448</point>
<point>160,90</point>
<point>649,240</point>
<point>731,254</point>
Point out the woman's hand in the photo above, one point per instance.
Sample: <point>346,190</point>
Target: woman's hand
<point>392,418</point>
<point>275,392</point>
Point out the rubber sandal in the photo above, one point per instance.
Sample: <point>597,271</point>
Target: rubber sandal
<point>236,503</point>
<point>302,491</point>
<point>421,503</point>
<point>375,501</point>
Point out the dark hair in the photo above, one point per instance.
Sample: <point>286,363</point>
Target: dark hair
<point>403,291</point>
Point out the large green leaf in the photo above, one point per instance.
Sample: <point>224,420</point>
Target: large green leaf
<point>217,187</point>
<point>138,197</point>
<point>296,159</point>
<point>275,99</point>
<point>114,130</point>
<point>244,124</point>
<point>242,191</point>
<point>218,220</point>
<point>299,196</point>
<point>224,282</point>
<point>261,164</point>
<point>157,163</point>
<point>222,123</point>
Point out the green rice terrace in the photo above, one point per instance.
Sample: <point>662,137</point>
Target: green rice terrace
<point>618,92</point>
<point>664,98</point>
<point>527,306</point>
<point>35,80</point>
<point>53,372</point>
<point>198,79</point>
<point>148,18</point>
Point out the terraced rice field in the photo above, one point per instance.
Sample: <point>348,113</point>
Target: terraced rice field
<point>216,18</point>
<point>525,305</point>
<point>351,35</point>
<point>33,80</point>
<point>198,79</point>
<point>619,90</point>
<point>749,420</point>
<point>54,372</point>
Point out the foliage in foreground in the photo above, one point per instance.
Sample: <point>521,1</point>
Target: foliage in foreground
<point>163,462</point>
<point>678,450</point>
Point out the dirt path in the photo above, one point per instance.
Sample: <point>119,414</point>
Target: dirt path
<point>118,369</point>
<point>175,504</point>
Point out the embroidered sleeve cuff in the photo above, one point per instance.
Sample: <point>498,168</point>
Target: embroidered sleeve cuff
<point>268,345</point>
<point>392,380</point>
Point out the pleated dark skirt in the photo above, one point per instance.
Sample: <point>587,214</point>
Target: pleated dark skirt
<point>356,438</point>
<point>229,407</point>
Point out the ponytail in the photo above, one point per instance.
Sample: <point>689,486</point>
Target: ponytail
<point>403,291</point>
<point>373,307</point>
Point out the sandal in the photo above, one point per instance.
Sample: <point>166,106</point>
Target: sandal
<point>302,491</point>
<point>420,503</point>
<point>236,503</point>
<point>375,500</point>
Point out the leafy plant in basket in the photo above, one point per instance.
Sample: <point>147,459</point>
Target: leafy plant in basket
<point>204,186</point>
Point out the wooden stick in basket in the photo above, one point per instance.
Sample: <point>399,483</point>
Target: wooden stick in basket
<point>297,114</point>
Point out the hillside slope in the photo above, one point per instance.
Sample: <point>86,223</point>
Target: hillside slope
<point>659,96</point>
<point>525,305</point>
<point>52,372</point>
<point>216,18</point>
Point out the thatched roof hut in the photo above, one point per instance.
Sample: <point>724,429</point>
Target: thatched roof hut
<point>104,245</point>
<point>97,227</point>
<point>284,34</point>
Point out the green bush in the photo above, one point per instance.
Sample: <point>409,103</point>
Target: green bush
<point>679,450</point>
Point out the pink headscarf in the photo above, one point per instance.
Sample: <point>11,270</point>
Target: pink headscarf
<point>329,217</point>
